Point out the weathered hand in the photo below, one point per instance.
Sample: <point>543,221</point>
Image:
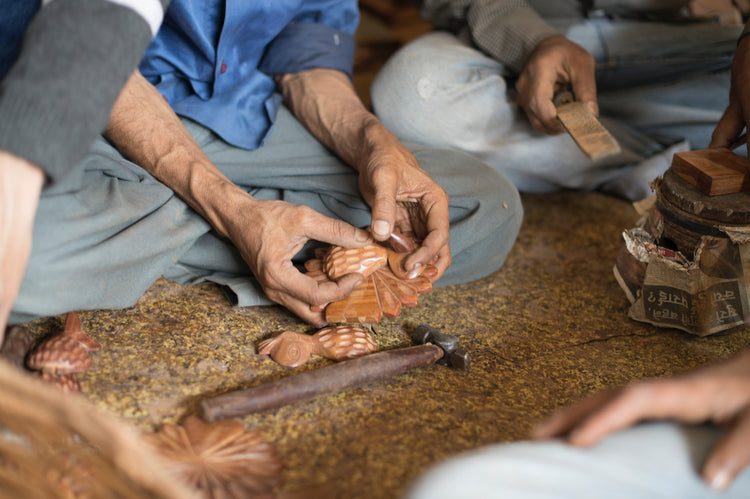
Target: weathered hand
<point>737,114</point>
<point>553,65</point>
<point>20,188</point>
<point>402,195</point>
<point>269,233</point>
<point>718,393</point>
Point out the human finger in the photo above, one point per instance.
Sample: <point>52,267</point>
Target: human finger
<point>583,83</point>
<point>730,456</point>
<point>333,231</point>
<point>536,87</point>
<point>729,127</point>
<point>680,399</point>
<point>564,420</point>
<point>434,247</point>
<point>299,293</point>
<point>543,113</point>
<point>384,205</point>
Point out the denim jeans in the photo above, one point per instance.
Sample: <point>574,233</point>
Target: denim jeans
<point>661,88</point>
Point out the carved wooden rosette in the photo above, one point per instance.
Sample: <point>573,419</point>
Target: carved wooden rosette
<point>219,459</point>
<point>387,286</point>
<point>292,349</point>
<point>59,357</point>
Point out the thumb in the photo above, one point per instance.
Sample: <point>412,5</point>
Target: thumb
<point>730,456</point>
<point>384,208</point>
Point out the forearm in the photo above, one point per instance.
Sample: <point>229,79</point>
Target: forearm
<point>75,58</point>
<point>144,129</point>
<point>326,103</point>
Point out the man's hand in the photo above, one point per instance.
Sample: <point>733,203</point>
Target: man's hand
<point>269,234</point>
<point>20,188</point>
<point>719,394</point>
<point>737,114</point>
<point>555,64</point>
<point>400,193</point>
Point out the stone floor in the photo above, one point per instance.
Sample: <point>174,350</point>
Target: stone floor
<point>550,327</point>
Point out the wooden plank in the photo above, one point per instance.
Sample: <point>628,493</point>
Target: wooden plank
<point>587,132</point>
<point>713,171</point>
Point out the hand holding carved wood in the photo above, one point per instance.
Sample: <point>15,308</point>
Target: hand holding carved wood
<point>387,287</point>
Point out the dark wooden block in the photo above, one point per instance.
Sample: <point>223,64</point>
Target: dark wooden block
<point>713,171</point>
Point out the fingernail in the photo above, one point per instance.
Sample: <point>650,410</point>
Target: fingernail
<point>416,271</point>
<point>720,481</point>
<point>380,228</point>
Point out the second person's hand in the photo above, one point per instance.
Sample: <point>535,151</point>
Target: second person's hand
<point>554,64</point>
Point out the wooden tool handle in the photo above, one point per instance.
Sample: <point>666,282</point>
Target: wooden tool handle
<point>327,380</point>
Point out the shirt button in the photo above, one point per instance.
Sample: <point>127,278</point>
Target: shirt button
<point>223,68</point>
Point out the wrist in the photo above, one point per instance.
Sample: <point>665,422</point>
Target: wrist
<point>374,136</point>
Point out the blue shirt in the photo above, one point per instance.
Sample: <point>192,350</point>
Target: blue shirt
<point>214,60</point>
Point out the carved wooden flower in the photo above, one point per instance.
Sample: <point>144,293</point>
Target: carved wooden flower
<point>292,349</point>
<point>386,289</point>
<point>219,459</point>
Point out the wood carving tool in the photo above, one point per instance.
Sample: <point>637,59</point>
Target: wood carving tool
<point>588,133</point>
<point>432,347</point>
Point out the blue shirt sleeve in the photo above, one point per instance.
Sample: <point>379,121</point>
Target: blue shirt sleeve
<point>302,46</point>
<point>321,35</point>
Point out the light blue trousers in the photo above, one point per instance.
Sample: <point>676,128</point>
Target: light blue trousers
<point>662,88</point>
<point>655,460</point>
<point>105,233</point>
